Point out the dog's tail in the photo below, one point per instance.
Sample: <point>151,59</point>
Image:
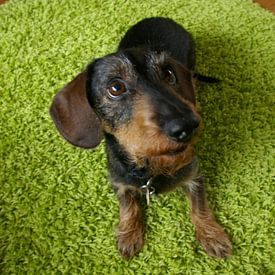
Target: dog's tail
<point>207,79</point>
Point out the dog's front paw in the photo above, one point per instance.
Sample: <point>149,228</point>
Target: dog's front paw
<point>214,240</point>
<point>130,243</point>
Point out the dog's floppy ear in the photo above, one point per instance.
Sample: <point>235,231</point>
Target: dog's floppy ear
<point>74,117</point>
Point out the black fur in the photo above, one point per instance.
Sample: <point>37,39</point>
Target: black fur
<point>161,34</point>
<point>148,126</point>
<point>151,36</point>
<point>126,172</point>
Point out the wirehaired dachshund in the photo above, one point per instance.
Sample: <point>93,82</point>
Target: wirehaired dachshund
<point>141,100</point>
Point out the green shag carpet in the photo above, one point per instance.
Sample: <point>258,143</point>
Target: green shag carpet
<point>57,210</point>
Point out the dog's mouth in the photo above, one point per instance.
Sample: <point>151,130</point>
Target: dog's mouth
<point>177,151</point>
<point>172,151</point>
<point>171,159</point>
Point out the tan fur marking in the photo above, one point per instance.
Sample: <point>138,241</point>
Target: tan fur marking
<point>130,231</point>
<point>211,235</point>
<point>208,232</point>
<point>144,141</point>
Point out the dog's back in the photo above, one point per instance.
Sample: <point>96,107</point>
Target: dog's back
<point>161,34</point>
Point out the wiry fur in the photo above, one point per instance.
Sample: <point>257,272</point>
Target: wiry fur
<point>149,130</point>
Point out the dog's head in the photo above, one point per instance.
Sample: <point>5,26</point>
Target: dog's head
<point>145,99</point>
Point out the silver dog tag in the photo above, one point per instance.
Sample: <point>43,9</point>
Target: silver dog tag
<point>148,190</point>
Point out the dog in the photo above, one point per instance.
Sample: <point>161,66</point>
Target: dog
<point>142,100</point>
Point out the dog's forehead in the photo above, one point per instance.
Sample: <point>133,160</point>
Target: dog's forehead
<point>145,60</point>
<point>157,58</point>
<point>130,63</point>
<point>115,66</point>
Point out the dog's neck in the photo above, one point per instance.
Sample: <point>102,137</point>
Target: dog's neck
<point>123,170</point>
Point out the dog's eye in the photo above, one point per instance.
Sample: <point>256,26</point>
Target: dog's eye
<point>169,76</point>
<point>116,88</point>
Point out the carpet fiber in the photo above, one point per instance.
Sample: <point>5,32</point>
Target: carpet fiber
<point>57,210</point>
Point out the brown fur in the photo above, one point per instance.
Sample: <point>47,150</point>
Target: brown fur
<point>149,140</point>
<point>130,231</point>
<point>208,232</point>
<point>138,136</point>
<point>211,235</point>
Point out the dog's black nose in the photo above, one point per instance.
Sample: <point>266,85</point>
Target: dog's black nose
<point>181,129</point>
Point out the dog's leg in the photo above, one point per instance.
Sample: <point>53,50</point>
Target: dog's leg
<point>130,231</point>
<point>208,232</point>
